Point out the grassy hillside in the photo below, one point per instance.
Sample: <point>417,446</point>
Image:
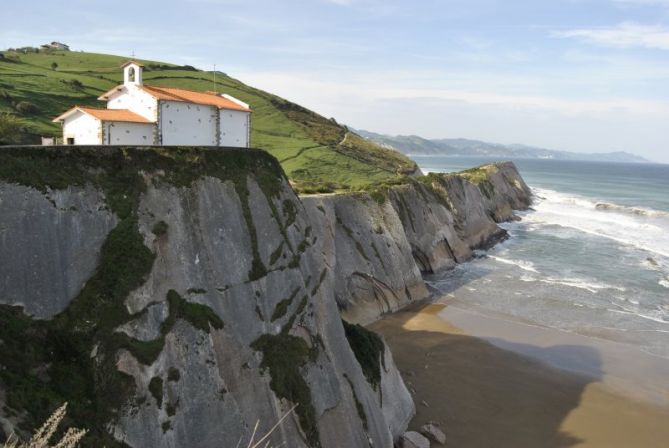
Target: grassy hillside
<point>316,153</point>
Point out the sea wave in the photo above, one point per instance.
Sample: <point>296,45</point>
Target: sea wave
<point>664,282</point>
<point>580,283</point>
<point>638,211</point>
<point>527,278</point>
<point>522,264</point>
<point>656,316</point>
<point>573,282</point>
<point>646,229</point>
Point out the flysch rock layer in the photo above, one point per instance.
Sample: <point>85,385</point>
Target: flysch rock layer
<point>223,391</point>
<point>379,250</point>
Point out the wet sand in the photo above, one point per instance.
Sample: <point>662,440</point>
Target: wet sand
<point>485,396</point>
<point>624,368</point>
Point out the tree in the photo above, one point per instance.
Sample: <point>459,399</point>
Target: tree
<point>54,65</point>
<point>11,129</point>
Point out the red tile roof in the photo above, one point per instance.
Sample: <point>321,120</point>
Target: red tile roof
<point>107,115</point>
<point>189,96</point>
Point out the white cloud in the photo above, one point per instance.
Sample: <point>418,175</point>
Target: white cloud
<point>624,35</point>
<point>317,89</point>
<point>433,105</point>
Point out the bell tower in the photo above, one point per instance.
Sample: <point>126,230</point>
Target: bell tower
<point>132,73</point>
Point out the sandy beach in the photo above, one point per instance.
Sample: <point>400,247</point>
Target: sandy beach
<point>485,396</point>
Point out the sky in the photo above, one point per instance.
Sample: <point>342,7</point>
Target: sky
<point>576,75</point>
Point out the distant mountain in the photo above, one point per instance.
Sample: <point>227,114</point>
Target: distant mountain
<point>460,147</point>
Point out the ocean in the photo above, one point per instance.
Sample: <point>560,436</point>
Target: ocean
<point>590,258</point>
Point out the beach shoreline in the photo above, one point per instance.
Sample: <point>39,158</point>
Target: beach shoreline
<point>624,368</point>
<point>484,394</point>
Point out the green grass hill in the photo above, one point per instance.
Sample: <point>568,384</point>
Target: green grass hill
<point>317,153</point>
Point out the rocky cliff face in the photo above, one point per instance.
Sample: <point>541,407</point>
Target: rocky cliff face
<point>365,245</point>
<point>379,244</point>
<point>177,297</point>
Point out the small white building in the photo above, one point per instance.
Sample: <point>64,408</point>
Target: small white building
<point>138,114</point>
<point>56,46</point>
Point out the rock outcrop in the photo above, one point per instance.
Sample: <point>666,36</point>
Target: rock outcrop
<point>413,439</point>
<point>379,243</point>
<point>434,433</point>
<point>365,245</point>
<point>177,297</point>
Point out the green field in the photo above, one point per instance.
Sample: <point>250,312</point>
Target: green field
<point>317,154</point>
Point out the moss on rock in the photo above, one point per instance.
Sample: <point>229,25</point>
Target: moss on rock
<point>156,389</point>
<point>284,355</point>
<point>368,348</point>
<point>358,405</point>
<point>173,375</point>
<point>199,316</point>
<point>159,229</point>
<point>282,307</point>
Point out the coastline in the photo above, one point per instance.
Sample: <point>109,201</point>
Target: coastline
<point>484,395</point>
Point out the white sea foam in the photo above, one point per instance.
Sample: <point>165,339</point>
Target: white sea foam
<point>639,211</point>
<point>656,317</point>
<point>648,231</point>
<point>527,278</point>
<point>522,264</point>
<point>574,282</point>
<point>580,283</point>
<point>664,282</point>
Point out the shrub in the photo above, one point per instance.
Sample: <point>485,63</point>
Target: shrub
<point>74,84</point>
<point>11,57</point>
<point>12,129</point>
<point>26,50</point>
<point>26,108</point>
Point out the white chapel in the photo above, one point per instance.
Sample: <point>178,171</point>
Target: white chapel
<point>138,114</point>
